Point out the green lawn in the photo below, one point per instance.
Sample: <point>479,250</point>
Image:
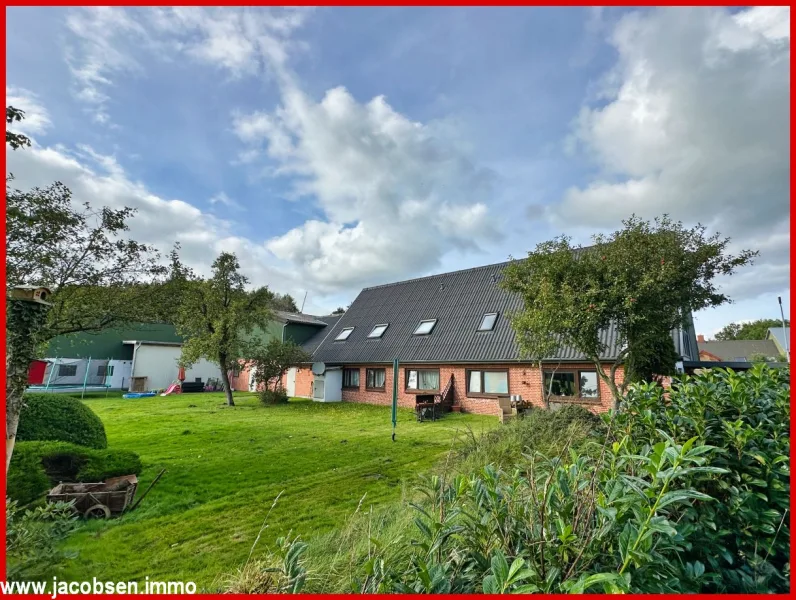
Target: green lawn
<point>225,465</point>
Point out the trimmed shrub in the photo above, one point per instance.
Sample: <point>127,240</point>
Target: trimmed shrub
<point>38,466</point>
<point>60,418</point>
<point>273,397</point>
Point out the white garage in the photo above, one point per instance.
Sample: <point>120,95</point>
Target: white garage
<point>159,363</point>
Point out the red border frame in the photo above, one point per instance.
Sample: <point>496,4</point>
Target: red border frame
<point>354,3</point>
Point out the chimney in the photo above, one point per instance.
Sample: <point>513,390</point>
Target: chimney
<point>700,338</point>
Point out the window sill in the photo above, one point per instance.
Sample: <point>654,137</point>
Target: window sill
<point>493,396</point>
<point>372,389</point>
<point>350,387</point>
<point>427,392</point>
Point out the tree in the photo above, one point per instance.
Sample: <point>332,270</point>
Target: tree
<point>272,360</point>
<point>284,302</point>
<point>15,140</point>
<point>339,311</point>
<point>217,316</point>
<point>643,279</point>
<point>97,277</point>
<point>756,330</point>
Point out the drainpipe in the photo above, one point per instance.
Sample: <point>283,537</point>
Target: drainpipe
<point>132,366</point>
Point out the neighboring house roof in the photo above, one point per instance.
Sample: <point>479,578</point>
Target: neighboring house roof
<point>458,300</point>
<point>739,350</point>
<point>312,343</point>
<point>780,336</point>
<point>288,317</point>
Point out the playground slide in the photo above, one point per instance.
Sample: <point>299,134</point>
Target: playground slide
<point>174,388</point>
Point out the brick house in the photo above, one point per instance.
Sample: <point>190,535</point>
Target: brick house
<point>453,325</point>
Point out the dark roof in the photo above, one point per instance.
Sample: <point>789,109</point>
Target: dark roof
<point>289,317</point>
<point>312,343</point>
<point>740,350</point>
<point>458,301</point>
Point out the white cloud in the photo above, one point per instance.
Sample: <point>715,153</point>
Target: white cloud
<point>96,54</point>
<point>695,124</point>
<point>224,200</point>
<point>106,41</point>
<point>100,180</point>
<point>396,197</point>
<point>37,119</point>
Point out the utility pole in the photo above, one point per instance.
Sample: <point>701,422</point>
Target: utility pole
<point>784,329</point>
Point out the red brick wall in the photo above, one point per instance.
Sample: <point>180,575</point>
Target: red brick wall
<point>304,379</point>
<point>524,380</point>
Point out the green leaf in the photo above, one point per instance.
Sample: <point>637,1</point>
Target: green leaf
<point>490,585</point>
<point>680,496</point>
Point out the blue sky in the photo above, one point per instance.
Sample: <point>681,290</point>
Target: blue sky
<point>336,148</point>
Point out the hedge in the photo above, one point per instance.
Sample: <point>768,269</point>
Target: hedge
<point>55,417</point>
<point>36,467</point>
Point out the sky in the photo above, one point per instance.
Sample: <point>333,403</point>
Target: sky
<point>337,148</point>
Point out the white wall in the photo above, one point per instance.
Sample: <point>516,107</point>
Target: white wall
<point>120,380</point>
<point>159,364</point>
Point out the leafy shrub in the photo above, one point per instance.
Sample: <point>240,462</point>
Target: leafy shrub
<point>32,537</point>
<point>743,539</point>
<point>602,522</point>
<point>273,396</point>
<point>540,430</point>
<point>38,466</point>
<point>56,417</point>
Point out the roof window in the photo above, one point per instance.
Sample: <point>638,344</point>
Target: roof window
<point>425,327</point>
<point>378,330</point>
<point>488,322</point>
<point>343,335</point>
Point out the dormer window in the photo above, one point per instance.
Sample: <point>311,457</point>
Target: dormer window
<point>378,330</point>
<point>488,322</point>
<point>425,327</point>
<point>343,335</point>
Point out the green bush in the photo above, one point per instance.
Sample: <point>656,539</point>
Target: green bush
<point>742,540</point>
<point>273,397</point>
<point>32,537</point>
<point>540,430</point>
<point>38,466</point>
<point>56,417</point>
<point>601,522</point>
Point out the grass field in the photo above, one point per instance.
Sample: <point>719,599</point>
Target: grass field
<point>226,465</point>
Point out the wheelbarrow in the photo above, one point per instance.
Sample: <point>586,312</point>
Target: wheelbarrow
<point>97,500</point>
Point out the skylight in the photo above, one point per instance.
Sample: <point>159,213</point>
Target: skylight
<point>425,327</point>
<point>343,335</point>
<point>488,322</point>
<point>378,330</point>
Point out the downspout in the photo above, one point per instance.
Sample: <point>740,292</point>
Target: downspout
<point>132,366</point>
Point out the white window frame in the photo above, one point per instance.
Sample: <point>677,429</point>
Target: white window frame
<point>483,318</point>
<point>344,334</point>
<point>423,322</point>
<point>374,335</point>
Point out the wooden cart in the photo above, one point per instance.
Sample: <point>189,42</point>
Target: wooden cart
<point>91,500</point>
